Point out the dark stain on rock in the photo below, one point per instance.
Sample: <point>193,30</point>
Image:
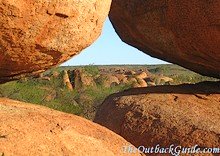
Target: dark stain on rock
<point>61,15</point>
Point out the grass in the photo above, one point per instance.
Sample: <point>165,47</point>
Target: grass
<point>91,69</point>
<point>35,91</point>
<point>84,102</point>
<point>91,98</point>
<point>80,102</point>
<point>179,74</point>
<point>23,91</point>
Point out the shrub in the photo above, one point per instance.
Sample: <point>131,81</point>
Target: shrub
<point>91,69</point>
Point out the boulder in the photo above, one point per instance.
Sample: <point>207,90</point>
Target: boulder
<point>142,75</point>
<point>66,80</point>
<point>131,72</point>
<point>132,80</point>
<point>118,70</point>
<point>150,79</point>
<point>120,76</point>
<point>82,80</point>
<point>151,83</point>
<point>184,32</point>
<point>108,80</point>
<point>36,35</point>
<point>28,129</point>
<point>135,85</point>
<point>55,74</point>
<point>185,115</point>
<point>166,79</point>
<point>125,80</point>
<point>142,82</point>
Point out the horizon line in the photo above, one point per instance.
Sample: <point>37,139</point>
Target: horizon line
<point>116,64</point>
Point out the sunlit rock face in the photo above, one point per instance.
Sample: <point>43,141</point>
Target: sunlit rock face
<point>39,34</point>
<point>185,32</point>
<point>28,129</point>
<point>185,115</point>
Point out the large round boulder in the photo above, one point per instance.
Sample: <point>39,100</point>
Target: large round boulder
<point>184,115</point>
<point>184,32</point>
<point>28,129</point>
<point>39,34</point>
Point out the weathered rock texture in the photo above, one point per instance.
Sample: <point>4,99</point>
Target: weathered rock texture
<point>27,129</point>
<point>185,115</point>
<point>66,80</point>
<point>108,80</point>
<point>36,35</point>
<point>82,80</point>
<point>185,32</point>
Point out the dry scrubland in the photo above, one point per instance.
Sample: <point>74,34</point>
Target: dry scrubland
<point>81,90</point>
<point>38,35</point>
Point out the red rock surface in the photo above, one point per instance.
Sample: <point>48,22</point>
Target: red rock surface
<point>184,32</point>
<point>36,35</point>
<point>185,115</point>
<point>27,129</point>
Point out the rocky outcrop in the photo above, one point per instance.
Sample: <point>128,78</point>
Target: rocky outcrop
<point>166,79</point>
<point>28,129</point>
<point>132,80</point>
<point>142,82</point>
<point>142,75</point>
<point>66,81</point>
<point>183,32</point>
<point>120,77</point>
<point>108,80</point>
<point>82,80</point>
<point>36,35</point>
<point>185,115</point>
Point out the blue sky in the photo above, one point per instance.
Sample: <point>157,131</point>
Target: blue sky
<point>109,49</point>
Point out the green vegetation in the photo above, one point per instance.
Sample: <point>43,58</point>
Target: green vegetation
<point>48,93</point>
<point>91,69</point>
<point>179,74</point>
<point>91,98</point>
<point>84,101</point>
<point>55,95</point>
